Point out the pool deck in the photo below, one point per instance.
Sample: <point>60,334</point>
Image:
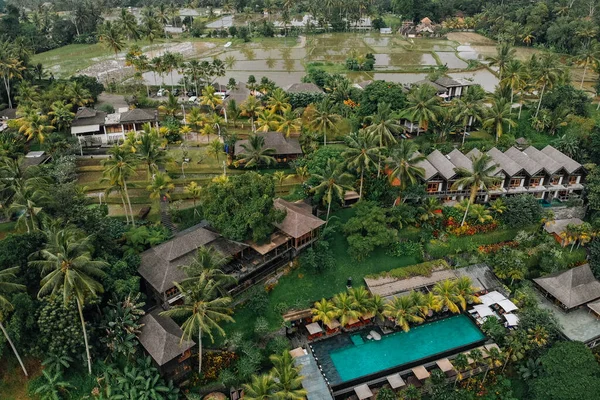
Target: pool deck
<point>313,381</point>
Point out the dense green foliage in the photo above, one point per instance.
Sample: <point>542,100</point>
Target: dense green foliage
<point>522,211</point>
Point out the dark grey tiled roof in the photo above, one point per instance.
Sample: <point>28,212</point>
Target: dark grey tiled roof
<point>8,113</point>
<point>573,287</point>
<point>89,116</point>
<point>550,165</point>
<point>138,115</point>
<point>505,163</point>
<point>441,164</point>
<point>438,88</point>
<point>303,88</point>
<point>457,158</point>
<point>568,163</point>
<point>530,166</point>
<point>161,338</point>
<point>276,141</point>
<point>448,82</point>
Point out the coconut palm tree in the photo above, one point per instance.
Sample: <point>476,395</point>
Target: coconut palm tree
<point>278,101</point>
<point>69,270</point>
<point>170,107</point>
<point>119,167</point>
<point>255,153</point>
<point>382,126</point>
<point>403,164</point>
<point>210,262</point>
<point>7,276</point>
<point>324,311</point>
<point>112,38</point>
<point>148,150</point>
<point>61,114</point>
<point>209,98</point>
<point>194,191</point>
<point>250,108</point>
<point>362,299</point>
<point>289,122</point>
<point>332,184</point>
<point>202,310</point>
<point>302,173</point>
<point>403,311</point>
<point>128,23</point>
<point>215,149</point>
<point>588,55</point>
<point>497,116</point>
<point>77,94</point>
<point>288,381</point>
<point>160,186</point>
<point>11,67</point>
<point>546,72</point>
<point>34,126</point>
<point>505,53</point>
<point>267,121</point>
<point>479,177</point>
<point>423,106</point>
<point>466,291</point>
<point>419,301</point>
<point>448,295</point>
<point>514,78</point>
<point>461,362</point>
<point>480,213</point>
<point>363,153</point>
<point>261,388</point>
<point>494,360</point>
<point>345,308</point>
<point>27,203</point>
<point>323,119</point>
<point>230,62</point>
<point>432,302</point>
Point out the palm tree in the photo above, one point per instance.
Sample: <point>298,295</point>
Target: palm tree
<point>215,149</point>
<point>194,190</point>
<point>202,310</point>
<point>209,98</point>
<point>332,184</point>
<point>419,301</point>
<point>267,121</point>
<point>10,68</point>
<point>230,62</point>
<point>27,202</point>
<point>588,55</point>
<point>382,126</point>
<point>497,116</point>
<point>323,119</point>
<point>514,77</point>
<point>423,106</point>
<point>547,72</point>
<point>170,107</point>
<point>466,291</point>
<point>403,164</point>
<point>148,150</point>
<point>302,173</point>
<point>111,36</point>
<point>118,168</point>
<point>278,101</point>
<point>209,264</point>
<point>128,23</point>
<point>480,213</point>
<point>160,186</point>
<point>362,299</point>
<point>432,302</point>
<point>78,95</point>
<point>505,54</point>
<point>261,388</point>
<point>493,360</point>
<point>289,123</point>
<point>34,126</point>
<point>7,286</point>
<point>403,311</point>
<point>447,293</point>
<point>480,177</point>
<point>69,270</point>
<point>288,381</point>
<point>61,114</point>
<point>250,108</point>
<point>324,311</point>
<point>363,153</point>
<point>255,153</point>
<point>345,308</point>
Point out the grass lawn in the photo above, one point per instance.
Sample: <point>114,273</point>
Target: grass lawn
<point>301,288</point>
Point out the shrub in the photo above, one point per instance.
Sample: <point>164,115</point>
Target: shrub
<point>522,210</point>
<point>407,248</point>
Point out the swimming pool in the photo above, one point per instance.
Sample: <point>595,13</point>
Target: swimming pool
<point>355,360</point>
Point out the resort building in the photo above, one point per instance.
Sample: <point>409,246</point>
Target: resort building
<point>93,127</point>
<point>161,338</point>
<point>573,297</point>
<point>547,174</point>
<point>303,88</point>
<point>446,87</point>
<point>285,149</point>
<point>299,224</point>
<point>557,228</point>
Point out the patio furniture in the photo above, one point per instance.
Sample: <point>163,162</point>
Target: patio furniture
<point>363,392</point>
<point>507,305</point>
<point>375,335</point>
<point>396,381</point>
<point>511,320</point>
<point>420,372</point>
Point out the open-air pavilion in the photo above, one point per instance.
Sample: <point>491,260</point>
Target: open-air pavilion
<point>571,288</point>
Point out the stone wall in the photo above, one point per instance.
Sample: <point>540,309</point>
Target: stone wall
<point>568,212</point>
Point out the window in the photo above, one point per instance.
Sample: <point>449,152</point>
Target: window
<point>533,182</point>
<point>515,182</point>
<point>555,180</point>
<point>573,180</point>
<point>432,187</point>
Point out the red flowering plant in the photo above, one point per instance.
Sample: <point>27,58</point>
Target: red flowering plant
<point>493,248</point>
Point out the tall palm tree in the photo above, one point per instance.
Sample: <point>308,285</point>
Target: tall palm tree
<point>28,201</point>
<point>203,311</point>
<point>382,126</point>
<point>267,121</point>
<point>423,106</point>
<point>34,126</point>
<point>403,164</point>
<point>255,153</point>
<point>250,108</point>
<point>61,114</point>
<point>118,168</point>
<point>160,186</point>
<point>403,311</point>
<point>448,295</point>
<point>11,67</point>
<point>505,53</point>
<point>69,270</point>
<point>112,37</point>
<point>466,291</point>
<point>170,107</point>
<point>148,150</point>
<point>288,381</point>
<point>361,298</point>
<point>324,120</point>
<point>261,388</point>
<point>77,94</point>
<point>7,286</point>
<point>215,149</point>
<point>289,122</point>
<point>332,184</point>
<point>432,302</point>
<point>547,72</point>
<point>209,98</point>
<point>514,78</point>
<point>498,115</point>
<point>324,311</point>
<point>128,23</point>
<point>480,177</point>
<point>345,308</point>
<point>194,190</point>
<point>278,101</point>
<point>210,262</point>
<point>588,55</point>
<point>363,153</point>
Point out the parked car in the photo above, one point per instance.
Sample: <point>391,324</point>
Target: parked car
<point>193,100</point>
<point>162,92</point>
<point>176,92</point>
<point>190,93</point>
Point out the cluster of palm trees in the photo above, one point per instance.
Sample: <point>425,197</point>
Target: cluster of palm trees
<point>577,234</point>
<point>283,382</point>
<point>447,295</point>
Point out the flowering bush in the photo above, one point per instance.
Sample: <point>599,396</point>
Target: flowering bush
<point>492,248</point>
<point>214,363</point>
<point>453,227</point>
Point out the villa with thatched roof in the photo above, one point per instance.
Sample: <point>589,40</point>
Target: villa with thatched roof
<point>571,288</point>
<point>299,223</point>
<point>285,149</point>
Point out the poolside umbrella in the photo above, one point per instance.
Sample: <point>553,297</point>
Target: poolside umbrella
<point>333,324</point>
<point>313,328</point>
<point>507,305</point>
<point>483,311</point>
<point>396,381</point>
<point>363,392</point>
<point>297,352</point>
<point>421,373</point>
<point>511,319</point>
<point>446,366</point>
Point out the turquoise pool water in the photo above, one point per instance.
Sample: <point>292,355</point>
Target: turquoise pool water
<point>404,347</point>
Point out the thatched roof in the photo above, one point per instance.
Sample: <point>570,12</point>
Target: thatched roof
<point>573,287</point>
<point>558,226</point>
<point>88,116</point>
<point>448,82</point>
<point>298,220</point>
<point>161,338</point>
<point>138,115</point>
<point>274,140</point>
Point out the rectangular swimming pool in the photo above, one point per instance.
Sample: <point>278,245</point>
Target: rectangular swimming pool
<point>357,360</point>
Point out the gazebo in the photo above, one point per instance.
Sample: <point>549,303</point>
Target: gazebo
<point>571,288</point>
